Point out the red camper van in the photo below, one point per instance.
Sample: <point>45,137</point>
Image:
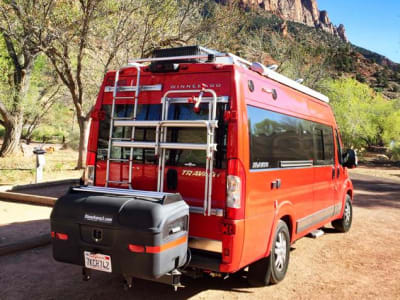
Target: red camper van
<point>202,162</point>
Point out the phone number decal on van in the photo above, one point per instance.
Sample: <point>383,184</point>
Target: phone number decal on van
<point>197,173</point>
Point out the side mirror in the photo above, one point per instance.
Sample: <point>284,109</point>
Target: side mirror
<point>350,159</point>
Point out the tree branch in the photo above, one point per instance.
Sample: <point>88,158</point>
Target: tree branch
<point>12,53</point>
<point>4,112</point>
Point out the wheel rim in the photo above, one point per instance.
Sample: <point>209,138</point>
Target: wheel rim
<point>347,213</point>
<point>280,251</point>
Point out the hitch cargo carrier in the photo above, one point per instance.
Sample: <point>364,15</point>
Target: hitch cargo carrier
<point>139,234</point>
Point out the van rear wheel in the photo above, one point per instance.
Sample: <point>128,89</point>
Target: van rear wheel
<point>272,269</point>
<point>344,224</point>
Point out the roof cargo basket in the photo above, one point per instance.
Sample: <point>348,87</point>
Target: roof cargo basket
<point>187,53</point>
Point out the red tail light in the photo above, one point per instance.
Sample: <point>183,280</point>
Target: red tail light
<point>136,248</point>
<point>236,184</point>
<point>59,236</point>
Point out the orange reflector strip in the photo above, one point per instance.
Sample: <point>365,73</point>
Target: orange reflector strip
<point>62,236</point>
<point>157,249</point>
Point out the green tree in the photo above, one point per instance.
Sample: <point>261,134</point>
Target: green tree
<point>18,54</point>
<point>365,118</point>
<point>351,102</point>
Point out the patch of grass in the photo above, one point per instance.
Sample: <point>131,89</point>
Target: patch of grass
<point>60,164</point>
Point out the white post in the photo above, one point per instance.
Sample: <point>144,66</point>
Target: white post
<point>40,162</point>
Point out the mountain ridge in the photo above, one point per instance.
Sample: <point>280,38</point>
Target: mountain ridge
<point>300,11</point>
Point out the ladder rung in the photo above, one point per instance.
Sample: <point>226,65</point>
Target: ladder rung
<point>188,146</point>
<point>150,145</point>
<point>118,181</point>
<point>136,123</point>
<point>124,98</point>
<point>189,123</point>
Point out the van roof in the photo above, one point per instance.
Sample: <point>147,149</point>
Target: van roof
<point>208,55</point>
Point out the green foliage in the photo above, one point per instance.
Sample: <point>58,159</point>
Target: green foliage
<point>73,141</point>
<point>47,133</point>
<point>343,59</point>
<point>361,78</point>
<point>364,117</point>
<point>395,151</point>
<point>381,78</point>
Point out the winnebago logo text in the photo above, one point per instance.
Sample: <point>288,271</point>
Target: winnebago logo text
<point>195,85</point>
<point>95,218</point>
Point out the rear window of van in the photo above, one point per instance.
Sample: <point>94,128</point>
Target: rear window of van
<point>178,111</point>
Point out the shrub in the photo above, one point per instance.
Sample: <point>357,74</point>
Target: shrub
<point>73,141</point>
<point>395,151</point>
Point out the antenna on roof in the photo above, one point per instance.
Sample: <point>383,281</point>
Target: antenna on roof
<point>299,80</point>
<point>272,67</point>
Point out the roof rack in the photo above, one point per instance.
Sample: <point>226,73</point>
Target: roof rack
<point>208,55</point>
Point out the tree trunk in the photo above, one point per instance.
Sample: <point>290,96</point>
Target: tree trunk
<point>83,139</point>
<point>12,136</point>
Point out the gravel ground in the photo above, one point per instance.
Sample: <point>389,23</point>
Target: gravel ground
<point>22,221</point>
<point>361,264</point>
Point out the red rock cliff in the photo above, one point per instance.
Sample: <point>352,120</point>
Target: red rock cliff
<point>301,11</point>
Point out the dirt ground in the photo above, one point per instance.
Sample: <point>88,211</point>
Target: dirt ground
<point>22,221</point>
<point>389,172</point>
<point>361,264</point>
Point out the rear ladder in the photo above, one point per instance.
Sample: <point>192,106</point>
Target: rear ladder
<point>160,144</point>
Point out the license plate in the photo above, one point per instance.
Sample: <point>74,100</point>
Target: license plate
<point>97,261</point>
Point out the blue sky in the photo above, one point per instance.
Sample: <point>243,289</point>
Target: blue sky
<point>371,24</point>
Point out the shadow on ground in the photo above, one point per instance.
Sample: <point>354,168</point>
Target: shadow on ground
<point>369,191</point>
<point>18,231</point>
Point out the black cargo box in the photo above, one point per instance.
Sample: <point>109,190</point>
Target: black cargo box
<point>142,237</point>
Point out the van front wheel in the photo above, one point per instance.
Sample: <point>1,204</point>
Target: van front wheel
<point>344,224</point>
<point>272,269</point>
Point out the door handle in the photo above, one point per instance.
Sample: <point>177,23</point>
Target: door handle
<point>276,184</point>
<point>338,172</point>
<point>333,173</point>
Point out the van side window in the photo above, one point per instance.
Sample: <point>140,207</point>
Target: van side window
<point>278,140</point>
<point>323,141</point>
<point>339,148</point>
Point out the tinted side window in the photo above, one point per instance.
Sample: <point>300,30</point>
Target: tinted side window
<point>276,139</point>
<point>339,148</point>
<point>323,141</point>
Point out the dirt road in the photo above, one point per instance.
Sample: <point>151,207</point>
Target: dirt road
<point>362,264</point>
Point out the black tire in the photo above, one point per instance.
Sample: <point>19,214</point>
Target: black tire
<point>268,270</point>
<point>344,224</point>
